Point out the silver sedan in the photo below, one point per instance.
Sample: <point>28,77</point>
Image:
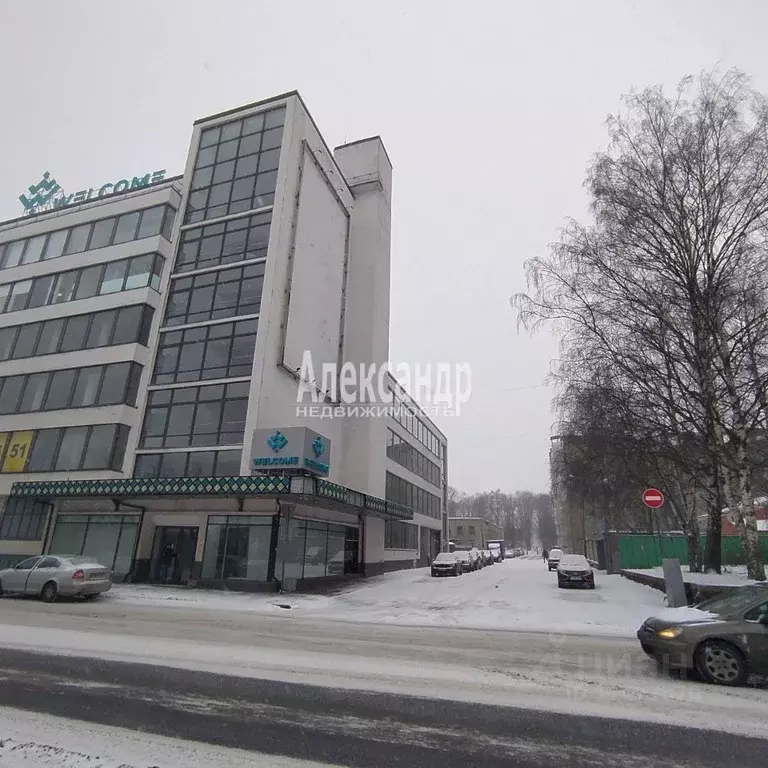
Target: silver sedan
<point>52,575</point>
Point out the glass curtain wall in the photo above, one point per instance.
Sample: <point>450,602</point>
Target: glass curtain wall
<point>211,314</point>
<point>237,547</point>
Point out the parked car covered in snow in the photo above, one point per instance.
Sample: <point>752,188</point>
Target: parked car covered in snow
<point>553,559</point>
<point>724,638</point>
<point>51,575</point>
<point>477,559</point>
<point>464,558</point>
<point>575,571</point>
<point>447,564</point>
<point>488,556</point>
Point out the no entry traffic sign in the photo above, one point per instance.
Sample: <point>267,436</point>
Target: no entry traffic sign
<point>653,498</point>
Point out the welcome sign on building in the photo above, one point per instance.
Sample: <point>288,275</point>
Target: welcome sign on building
<point>47,195</point>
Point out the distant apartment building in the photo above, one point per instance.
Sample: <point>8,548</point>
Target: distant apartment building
<point>472,532</point>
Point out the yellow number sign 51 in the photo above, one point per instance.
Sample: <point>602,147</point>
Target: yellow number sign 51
<point>17,455</point>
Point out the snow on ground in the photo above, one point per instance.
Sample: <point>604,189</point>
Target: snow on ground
<point>31,740</point>
<point>735,576</point>
<point>517,594</point>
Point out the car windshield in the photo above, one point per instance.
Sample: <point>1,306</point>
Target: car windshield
<point>555,552</point>
<point>445,557</point>
<point>575,561</point>
<point>463,555</point>
<point>735,601</point>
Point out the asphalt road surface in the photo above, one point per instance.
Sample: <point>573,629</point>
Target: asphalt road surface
<point>349,728</point>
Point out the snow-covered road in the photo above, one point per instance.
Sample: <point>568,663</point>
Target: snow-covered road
<point>330,641</point>
<point>518,594</point>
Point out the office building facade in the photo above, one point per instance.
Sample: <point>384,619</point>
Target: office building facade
<point>152,334</point>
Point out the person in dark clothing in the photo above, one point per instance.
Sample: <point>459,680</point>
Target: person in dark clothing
<point>546,554</point>
<point>167,557</point>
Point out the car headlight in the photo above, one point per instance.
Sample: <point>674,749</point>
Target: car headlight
<point>669,633</point>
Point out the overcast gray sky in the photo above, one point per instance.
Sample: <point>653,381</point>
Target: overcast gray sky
<point>489,110</point>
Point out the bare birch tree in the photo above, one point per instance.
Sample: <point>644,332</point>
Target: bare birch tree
<point>664,291</point>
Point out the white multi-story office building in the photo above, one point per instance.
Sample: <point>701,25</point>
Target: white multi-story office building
<point>152,336</point>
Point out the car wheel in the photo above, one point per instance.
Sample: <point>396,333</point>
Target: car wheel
<point>89,598</point>
<point>1,588</point>
<point>721,663</point>
<point>49,592</point>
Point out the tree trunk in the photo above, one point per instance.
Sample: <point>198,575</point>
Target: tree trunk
<point>694,550</point>
<point>713,555</point>
<point>748,528</point>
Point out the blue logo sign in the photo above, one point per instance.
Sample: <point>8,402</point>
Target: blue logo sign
<point>40,193</point>
<point>318,446</point>
<point>277,441</point>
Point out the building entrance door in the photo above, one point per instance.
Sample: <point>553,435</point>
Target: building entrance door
<point>173,554</point>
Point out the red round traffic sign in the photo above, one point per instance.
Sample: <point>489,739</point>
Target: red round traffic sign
<point>653,498</point>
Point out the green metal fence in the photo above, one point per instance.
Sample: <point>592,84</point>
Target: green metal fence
<point>646,551</point>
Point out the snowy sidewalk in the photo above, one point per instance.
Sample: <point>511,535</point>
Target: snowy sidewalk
<point>734,576</point>
<point>517,594</point>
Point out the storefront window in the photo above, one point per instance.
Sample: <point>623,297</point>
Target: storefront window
<point>108,539</point>
<point>237,547</point>
<point>312,549</point>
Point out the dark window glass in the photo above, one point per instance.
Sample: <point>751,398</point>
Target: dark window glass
<point>253,124</point>
<point>7,339</point>
<point>227,463</point>
<point>168,219</point>
<point>210,136</point>
<point>227,151</point>
<point>60,391</point>
<point>70,454</point>
<point>146,325</point>
<point>114,383</point>
<point>126,227</point>
<point>200,464</point>
<point>55,245</point>
<point>151,221</point>
<point>127,326</point>
<point>78,238</point>
<point>174,465</point>
<point>147,465</point>
<point>27,340</point>
<point>64,289</point>
<point>99,446</point>
<point>102,233</point>
<point>34,250</point>
<point>34,392</point>
<point>101,329</point>
<point>75,333</point>
<point>41,291</point>
<point>19,296</point>
<point>157,272</point>
<point>206,156</point>
<point>13,252</point>
<point>11,393</point>
<point>90,280</point>
<point>43,453</point>
<point>87,387</point>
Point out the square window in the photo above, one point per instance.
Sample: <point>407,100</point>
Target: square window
<point>90,280</point>
<point>26,341</point>
<point>250,145</point>
<point>13,252</point>
<point>34,249</point>
<point>78,239</point>
<point>74,333</point>
<point>114,277</point>
<point>247,166</point>
<point>224,172</point>
<point>147,465</point>
<point>206,156</point>
<point>127,326</point>
<point>227,151</point>
<point>219,194</point>
<point>55,245</point>
<point>64,289</point>
<point>253,124</point>
<point>41,291</point>
<point>139,271</point>
<point>209,137</point>
<point>44,450</point>
<point>71,450</point>
<point>100,332</point>
<point>274,118</point>
<point>231,130</point>
<point>202,177</point>
<point>87,387</point>
<point>60,390</point>
<point>272,139</point>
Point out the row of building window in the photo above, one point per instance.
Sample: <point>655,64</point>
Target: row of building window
<point>83,283</point>
<point>212,295</point>
<point>23,519</point>
<point>224,243</point>
<point>236,167</point>
<point>96,385</point>
<point>400,535</point>
<point>196,416</point>
<point>410,495</point>
<point>135,225</point>
<point>100,446</point>
<point>406,415</point>
<point>111,327</point>
<point>191,464</point>
<point>407,456</point>
<point>220,351</point>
